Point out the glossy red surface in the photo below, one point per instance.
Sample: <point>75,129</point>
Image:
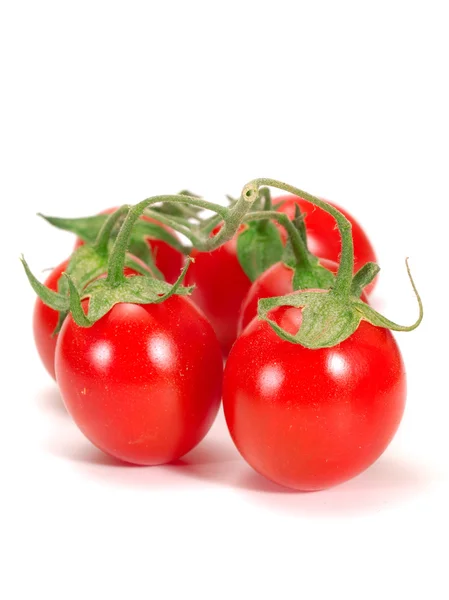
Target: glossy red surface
<point>144,382</point>
<point>311,419</point>
<point>220,288</point>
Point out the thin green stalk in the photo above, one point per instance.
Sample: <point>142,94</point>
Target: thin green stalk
<point>343,279</point>
<point>104,235</point>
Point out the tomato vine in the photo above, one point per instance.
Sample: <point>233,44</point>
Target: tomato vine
<point>330,315</point>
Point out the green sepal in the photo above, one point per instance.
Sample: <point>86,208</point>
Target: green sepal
<point>373,317</point>
<point>136,290</point>
<point>76,308</point>
<point>326,320</point>
<point>363,277</point>
<point>49,297</point>
<point>86,228</point>
<point>300,225</point>
<point>258,247</point>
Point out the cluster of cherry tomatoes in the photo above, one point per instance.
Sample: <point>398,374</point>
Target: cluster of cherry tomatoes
<point>145,381</point>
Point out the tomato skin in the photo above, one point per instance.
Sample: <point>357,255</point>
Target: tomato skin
<point>275,281</point>
<point>45,319</point>
<point>220,288</point>
<point>144,382</point>
<point>311,419</point>
<point>323,237</point>
<point>167,259</point>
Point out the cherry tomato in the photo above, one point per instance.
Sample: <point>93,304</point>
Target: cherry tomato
<point>323,237</point>
<point>276,281</point>
<point>167,259</point>
<point>220,287</point>
<point>143,383</point>
<point>45,319</point>
<point>311,419</point>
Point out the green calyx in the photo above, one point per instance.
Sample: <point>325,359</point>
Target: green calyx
<point>104,294</point>
<point>331,316</point>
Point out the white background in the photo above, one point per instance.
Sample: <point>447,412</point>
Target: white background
<point>110,102</point>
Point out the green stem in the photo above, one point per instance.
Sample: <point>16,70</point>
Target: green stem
<point>266,197</point>
<point>104,235</point>
<point>209,224</point>
<point>343,280</point>
<point>235,216</point>
<point>179,225</point>
<point>155,214</point>
<point>302,255</point>
<point>232,218</point>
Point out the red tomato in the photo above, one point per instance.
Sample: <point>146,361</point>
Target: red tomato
<point>276,281</point>
<point>220,287</point>
<point>45,318</point>
<point>144,382</point>
<point>167,259</point>
<point>310,419</point>
<point>323,237</point>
